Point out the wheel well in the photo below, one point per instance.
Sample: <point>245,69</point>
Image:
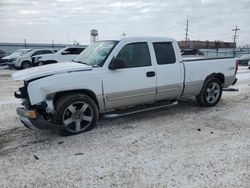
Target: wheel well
<point>89,93</point>
<point>219,76</point>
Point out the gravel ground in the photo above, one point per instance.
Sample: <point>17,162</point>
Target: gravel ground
<point>181,146</point>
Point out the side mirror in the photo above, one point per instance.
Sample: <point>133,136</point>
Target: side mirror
<point>65,52</point>
<point>117,64</point>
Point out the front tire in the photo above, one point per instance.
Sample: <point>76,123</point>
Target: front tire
<point>26,65</point>
<point>78,112</point>
<point>211,93</point>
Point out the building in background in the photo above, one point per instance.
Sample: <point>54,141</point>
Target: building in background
<point>210,48</point>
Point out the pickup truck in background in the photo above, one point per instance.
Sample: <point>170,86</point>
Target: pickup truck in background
<point>64,55</point>
<point>25,61</point>
<point>115,78</point>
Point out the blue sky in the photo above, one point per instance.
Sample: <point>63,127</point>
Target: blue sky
<point>68,20</point>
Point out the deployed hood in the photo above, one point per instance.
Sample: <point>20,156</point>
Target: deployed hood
<point>47,70</point>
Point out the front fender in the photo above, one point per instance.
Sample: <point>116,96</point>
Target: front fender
<point>39,89</point>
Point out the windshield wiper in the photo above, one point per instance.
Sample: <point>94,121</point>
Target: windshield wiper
<point>79,62</point>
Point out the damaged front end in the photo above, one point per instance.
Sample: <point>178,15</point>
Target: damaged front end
<point>34,116</point>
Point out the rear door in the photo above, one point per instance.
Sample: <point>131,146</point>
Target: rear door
<point>170,72</point>
<point>135,84</point>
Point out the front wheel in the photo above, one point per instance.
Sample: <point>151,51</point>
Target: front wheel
<point>26,65</point>
<point>78,112</point>
<point>211,93</point>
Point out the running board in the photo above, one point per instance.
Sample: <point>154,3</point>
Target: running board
<point>129,111</point>
<point>231,89</point>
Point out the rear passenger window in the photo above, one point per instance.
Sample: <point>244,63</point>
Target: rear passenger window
<point>75,51</point>
<point>135,55</point>
<point>164,52</point>
<point>46,52</point>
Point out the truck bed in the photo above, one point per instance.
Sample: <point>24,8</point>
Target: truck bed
<point>197,69</point>
<point>201,58</point>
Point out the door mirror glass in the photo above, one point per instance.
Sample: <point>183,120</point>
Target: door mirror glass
<point>65,52</point>
<point>117,64</point>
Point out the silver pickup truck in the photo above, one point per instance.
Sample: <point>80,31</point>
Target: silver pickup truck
<point>116,78</point>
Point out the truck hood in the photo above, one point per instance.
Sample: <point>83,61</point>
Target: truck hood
<point>47,70</point>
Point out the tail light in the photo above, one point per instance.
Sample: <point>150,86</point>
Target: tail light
<point>237,66</point>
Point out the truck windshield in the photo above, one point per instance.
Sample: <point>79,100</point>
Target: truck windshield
<point>96,54</point>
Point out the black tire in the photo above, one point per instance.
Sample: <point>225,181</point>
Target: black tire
<point>26,65</point>
<point>211,93</point>
<point>75,108</point>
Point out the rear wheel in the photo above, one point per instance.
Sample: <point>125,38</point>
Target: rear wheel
<point>211,93</point>
<point>78,112</point>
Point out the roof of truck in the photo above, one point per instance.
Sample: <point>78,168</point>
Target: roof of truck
<point>131,39</point>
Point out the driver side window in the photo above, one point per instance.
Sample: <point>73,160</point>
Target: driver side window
<point>135,55</point>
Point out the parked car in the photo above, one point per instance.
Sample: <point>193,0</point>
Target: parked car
<point>116,78</point>
<point>244,60</point>
<point>25,61</point>
<point>14,55</point>
<point>64,55</point>
<point>2,54</point>
<point>191,52</point>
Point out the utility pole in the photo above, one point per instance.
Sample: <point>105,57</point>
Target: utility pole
<point>186,35</point>
<point>235,33</point>
<point>25,44</point>
<point>235,37</point>
<point>124,34</point>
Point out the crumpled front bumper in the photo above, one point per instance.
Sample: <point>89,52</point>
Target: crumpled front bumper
<point>37,121</point>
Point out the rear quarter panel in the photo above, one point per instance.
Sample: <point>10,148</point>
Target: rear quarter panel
<point>197,71</point>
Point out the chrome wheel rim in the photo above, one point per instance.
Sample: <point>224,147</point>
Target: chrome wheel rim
<point>213,92</point>
<point>78,116</point>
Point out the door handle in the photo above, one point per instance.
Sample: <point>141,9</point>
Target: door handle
<point>150,74</point>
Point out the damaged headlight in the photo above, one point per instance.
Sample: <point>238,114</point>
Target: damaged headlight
<point>22,92</point>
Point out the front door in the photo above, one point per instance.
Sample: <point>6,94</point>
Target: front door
<point>135,84</point>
